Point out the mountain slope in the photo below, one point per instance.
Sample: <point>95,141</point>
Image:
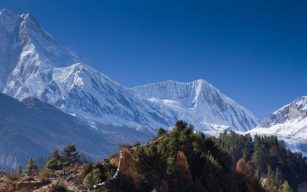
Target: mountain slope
<point>288,123</point>
<point>9,48</point>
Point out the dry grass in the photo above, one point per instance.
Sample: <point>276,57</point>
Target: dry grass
<point>13,176</point>
<point>45,173</point>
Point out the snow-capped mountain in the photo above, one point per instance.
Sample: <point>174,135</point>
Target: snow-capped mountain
<point>35,65</point>
<point>200,103</point>
<point>26,50</point>
<point>288,123</point>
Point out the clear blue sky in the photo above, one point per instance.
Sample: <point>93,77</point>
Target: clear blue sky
<point>253,51</point>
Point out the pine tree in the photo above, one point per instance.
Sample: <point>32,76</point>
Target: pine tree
<point>161,132</point>
<point>55,161</point>
<point>278,177</point>
<point>274,180</point>
<point>70,155</point>
<point>31,168</point>
<point>180,125</point>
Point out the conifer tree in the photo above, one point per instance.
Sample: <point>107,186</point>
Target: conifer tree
<point>70,155</point>
<point>55,161</point>
<point>31,168</point>
<point>20,169</point>
<point>161,132</point>
<point>274,180</point>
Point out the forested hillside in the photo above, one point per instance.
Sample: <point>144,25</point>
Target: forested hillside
<point>185,160</point>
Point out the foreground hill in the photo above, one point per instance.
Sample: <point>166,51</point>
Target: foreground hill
<point>32,128</point>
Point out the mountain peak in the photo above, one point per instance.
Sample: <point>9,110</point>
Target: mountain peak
<point>202,81</point>
<point>302,102</point>
<point>296,110</point>
<point>29,20</point>
<point>27,16</point>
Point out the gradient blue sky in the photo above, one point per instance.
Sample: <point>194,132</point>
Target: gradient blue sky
<point>253,51</point>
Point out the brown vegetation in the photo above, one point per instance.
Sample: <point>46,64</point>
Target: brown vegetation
<point>246,175</point>
<point>114,159</point>
<point>127,170</point>
<point>183,167</point>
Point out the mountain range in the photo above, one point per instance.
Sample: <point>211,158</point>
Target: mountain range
<point>83,106</point>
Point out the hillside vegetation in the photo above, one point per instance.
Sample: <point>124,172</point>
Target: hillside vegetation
<point>180,160</point>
